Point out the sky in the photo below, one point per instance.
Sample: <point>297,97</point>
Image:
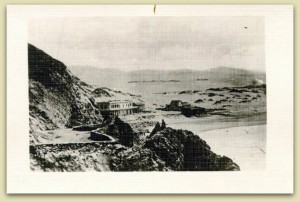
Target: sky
<point>136,43</point>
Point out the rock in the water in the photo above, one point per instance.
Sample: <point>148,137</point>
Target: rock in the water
<point>199,101</point>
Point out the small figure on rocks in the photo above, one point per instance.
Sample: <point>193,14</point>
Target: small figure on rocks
<point>156,128</point>
<point>163,125</point>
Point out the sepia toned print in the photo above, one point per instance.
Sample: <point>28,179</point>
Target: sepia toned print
<point>147,94</point>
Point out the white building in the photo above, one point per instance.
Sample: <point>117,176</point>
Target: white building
<point>116,107</point>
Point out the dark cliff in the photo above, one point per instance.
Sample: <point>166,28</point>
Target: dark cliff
<point>57,99</point>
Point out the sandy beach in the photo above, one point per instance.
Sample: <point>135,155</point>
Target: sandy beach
<point>243,139</point>
<point>245,145</point>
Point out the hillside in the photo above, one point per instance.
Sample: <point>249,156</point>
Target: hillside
<point>57,99</point>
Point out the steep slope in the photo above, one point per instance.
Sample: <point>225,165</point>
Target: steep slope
<point>57,99</point>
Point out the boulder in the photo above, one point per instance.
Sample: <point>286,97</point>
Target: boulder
<point>120,130</point>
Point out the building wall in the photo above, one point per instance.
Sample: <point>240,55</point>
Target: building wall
<point>117,108</point>
<point>120,105</point>
<point>138,108</point>
<point>118,112</point>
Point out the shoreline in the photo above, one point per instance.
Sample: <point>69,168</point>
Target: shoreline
<point>216,122</point>
<point>241,139</point>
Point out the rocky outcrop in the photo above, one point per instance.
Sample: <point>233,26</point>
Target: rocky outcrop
<point>57,99</point>
<point>120,130</point>
<point>181,150</point>
<point>100,92</point>
<point>93,157</point>
<point>165,150</point>
<point>70,157</point>
<point>136,158</point>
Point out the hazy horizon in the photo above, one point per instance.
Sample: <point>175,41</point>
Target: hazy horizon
<point>153,43</point>
<point>167,69</point>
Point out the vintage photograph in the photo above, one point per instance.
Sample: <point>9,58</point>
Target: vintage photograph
<point>137,93</point>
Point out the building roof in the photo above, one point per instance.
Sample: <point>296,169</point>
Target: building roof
<point>107,100</point>
<point>139,103</point>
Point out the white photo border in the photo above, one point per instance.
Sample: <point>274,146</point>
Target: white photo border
<point>276,178</point>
